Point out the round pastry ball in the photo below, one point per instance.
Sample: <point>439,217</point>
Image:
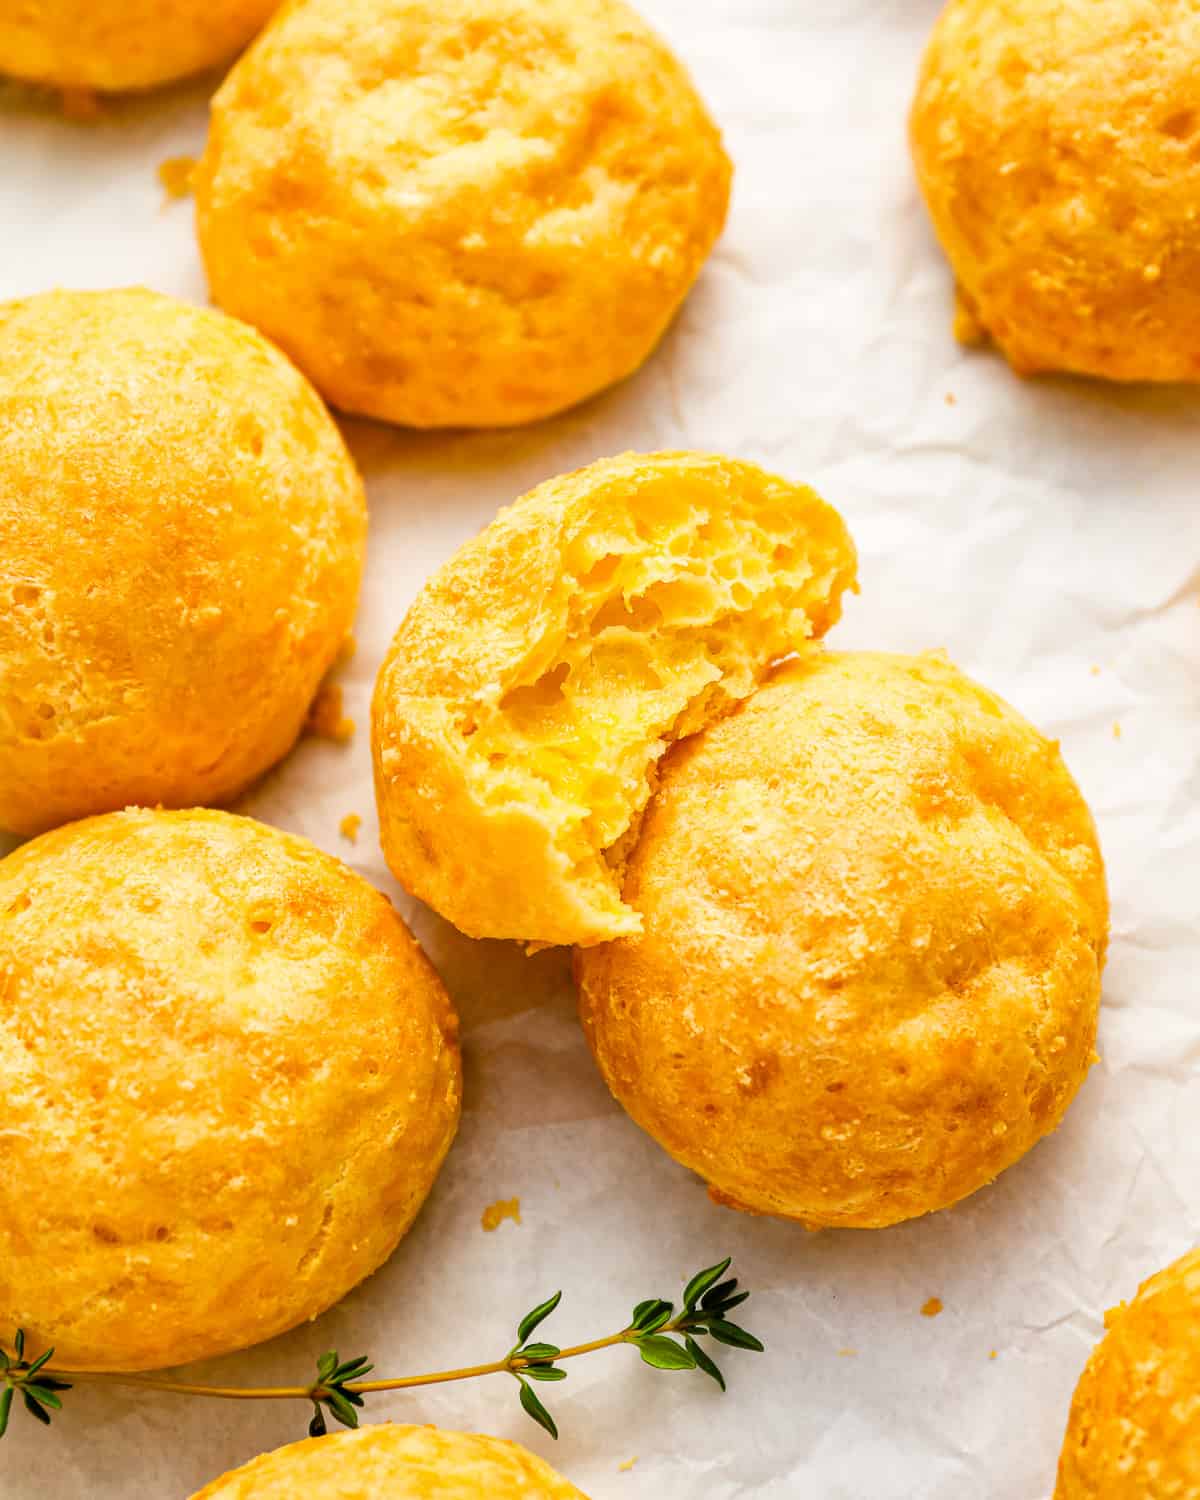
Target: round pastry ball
<point>230,1077</point>
<point>1058,148</point>
<point>459,212</point>
<point>1134,1432</point>
<point>539,676</point>
<point>181,543</point>
<point>395,1463</point>
<point>874,920</point>
<point>119,45</point>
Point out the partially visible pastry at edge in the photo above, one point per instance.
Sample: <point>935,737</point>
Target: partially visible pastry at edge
<point>543,671</point>
<point>181,541</point>
<point>874,923</point>
<point>1134,1431</point>
<point>114,46</point>
<point>395,1463</point>
<point>459,212</point>
<point>229,1078</point>
<point>1058,148</point>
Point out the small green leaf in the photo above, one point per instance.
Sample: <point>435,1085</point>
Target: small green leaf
<point>717,1294</point>
<point>326,1365</point>
<point>731,1303</point>
<point>34,1410</point>
<point>540,1351</point>
<point>353,1369</point>
<point>352,1396</point>
<point>5,1362</point>
<point>342,1409</point>
<point>650,1316</point>
<point>19,1343</point>
<point>38,1363</point>
<point>544,1372</point>
<point>539,1315</point>
<point>664,1353</point>
<point>47,1398</point>
<point>701,1282</point>
<point>52,1383</point>
<point>704,1363</point>
<point>535,1409</point>
<point>317,1427</point>
<point>6,1400</point>
<point>731,1334</point>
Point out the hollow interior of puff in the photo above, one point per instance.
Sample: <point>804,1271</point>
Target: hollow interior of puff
<point>679,600</point>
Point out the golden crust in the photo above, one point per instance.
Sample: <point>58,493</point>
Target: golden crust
<point>540,675</point>
<point>181,542</point>
<point>395,1463</point>
<point>1134,1431</point>
<point>119,45</point>
<point>230,1077</point>
<point>875,918</point>
<point>1058,148</point>
<point>459,212</point>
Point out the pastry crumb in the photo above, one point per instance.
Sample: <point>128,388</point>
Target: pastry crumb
<point>847,1353</point>
<point>325,719</point>
<point>627,1465</point>
<point>80,104</point>
<point>1095,670</point>
<point>495,1213</point>
<point>175,174</point>
<point>932,1307</point>
<point>951,399</point>
<point>1117,730</point>
<point>349,826</point>
<point>992,1354</point>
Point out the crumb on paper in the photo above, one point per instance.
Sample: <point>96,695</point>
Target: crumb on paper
<point>951,399</point>
<point>992,1354</point>
<point>176,175</point>
<point>847,1353</point>
<point>349,826</point>
<point>1117,730</point>
<point>932,1307</point>
<point>627,1465</point>
<point>495,1213</point>
<point>1095,669</point>
<point>325,717</point>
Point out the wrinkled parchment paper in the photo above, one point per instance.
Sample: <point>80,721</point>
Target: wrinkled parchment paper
<point>1047,534</point>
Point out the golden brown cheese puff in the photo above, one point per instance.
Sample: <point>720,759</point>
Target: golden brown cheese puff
<point>875,918</point>
<point>181,542</point>
<point>118,45</point>
<point>1134,1432</point>
<point>395,1463</point>
<point>229,1079</point>
<point>459,212</point>
<point>1058,147</point>
<point>540,675</point>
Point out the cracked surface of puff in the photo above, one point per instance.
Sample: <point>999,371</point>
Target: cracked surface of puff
<point>230,1077</point>
<point>1058,148</point>
<point>181,541</point>
<point>115,46</point>
<point>399,1463</point>
<point>875,918</point>
<point>1134,1430</point>
<point>542,672</point>
<point>459,212</point>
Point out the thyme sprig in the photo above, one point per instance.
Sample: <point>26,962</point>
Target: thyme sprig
<point>665,1340</point>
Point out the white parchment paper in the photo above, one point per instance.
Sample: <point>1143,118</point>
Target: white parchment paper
<point>1047,534</point>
